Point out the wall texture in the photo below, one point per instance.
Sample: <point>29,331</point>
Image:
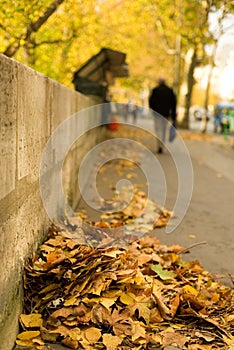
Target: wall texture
<point>31,108</point>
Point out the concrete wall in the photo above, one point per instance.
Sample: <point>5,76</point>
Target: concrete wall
<point>31,108</point>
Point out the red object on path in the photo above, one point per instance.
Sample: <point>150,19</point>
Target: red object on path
<point>114,124</point>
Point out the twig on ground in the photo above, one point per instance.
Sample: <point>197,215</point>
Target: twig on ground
<point>186,250</point>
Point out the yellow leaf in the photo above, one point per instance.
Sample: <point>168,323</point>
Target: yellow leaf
<point>138,331</point>
<point>143,310</point>
<point>111,342</point>
<point>190,289</point>
<point>130,175</point>
<point>126,299</point>
<point>70,343</point>
<point>71,301</point>
<point>114,253</point>
<point>31,321</point>
<point>75,334</point>
<point>107,302</point>
<point>228,340</point>
<point>38,341</point>
<point>157,338</point>
<point>112,293</point>
<point>22,42</point>
<point>219,175</point>
<point>24,342</point>
<point>28,335</point>
<point>139,278</point>
<point>49,288</point>
<point>230,319</point>
<point>215,297</point>
<point>92,335</point>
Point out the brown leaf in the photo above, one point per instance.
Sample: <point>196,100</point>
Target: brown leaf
<point>67,311</point>
<point>73,344</point>
<point>53,259</point>
<point>193,301</point>
<point>176,248</point>
<point>163,309</point>
<point>100,315</point>
<point>58,242</point>
<point>123,327</point>
<point>47,336</point>
<point>143,259</point>
<point>175,304</point>
<point>208,337</point>
<point>111,342</point>
<point>49,288</point>
<point>170,338</point>
<point>155,316</point>
<point>61,330</point>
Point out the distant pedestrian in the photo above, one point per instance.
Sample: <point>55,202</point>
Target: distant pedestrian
<point>132,110</point>
<point>125,111</point>
<point>134,113</point>
<point>163,101</point>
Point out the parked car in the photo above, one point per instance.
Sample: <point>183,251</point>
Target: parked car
<point>199,114</point>
<point>223,116</point>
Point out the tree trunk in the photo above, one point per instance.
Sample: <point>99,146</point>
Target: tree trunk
<point>206,102</point>
<point>207,95</point>
<point>190,83</point>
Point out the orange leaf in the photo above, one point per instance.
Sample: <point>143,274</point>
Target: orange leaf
<point>111,342</point>
<point>92,334</point>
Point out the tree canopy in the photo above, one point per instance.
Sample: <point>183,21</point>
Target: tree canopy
<point>56,37</point>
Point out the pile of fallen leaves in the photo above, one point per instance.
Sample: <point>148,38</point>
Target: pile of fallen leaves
<point>124,219</point>
<point>143,296</point>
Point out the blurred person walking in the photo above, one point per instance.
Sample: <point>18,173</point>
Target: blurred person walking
<point>163,101</point>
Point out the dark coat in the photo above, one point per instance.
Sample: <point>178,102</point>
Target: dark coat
<point>163,101</point>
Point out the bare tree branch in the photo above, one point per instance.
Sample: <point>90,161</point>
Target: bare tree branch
<point>50,42</point>
<point>35,26</point>
<point>32,28</point>
<point>56,41</point>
